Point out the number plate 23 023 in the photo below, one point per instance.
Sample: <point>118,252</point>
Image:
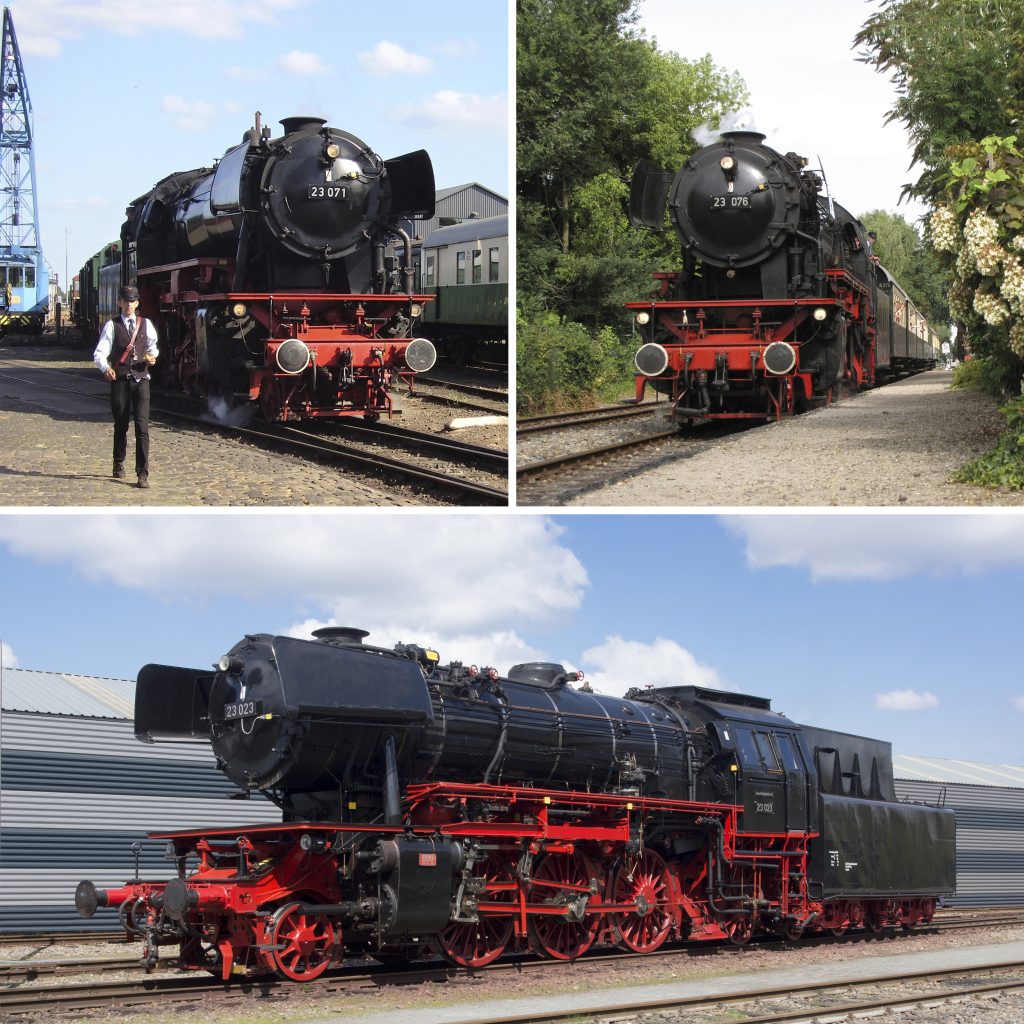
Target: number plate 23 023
<point>242,709</point>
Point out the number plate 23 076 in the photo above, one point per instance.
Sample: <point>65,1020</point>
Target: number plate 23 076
<point>326,192</point>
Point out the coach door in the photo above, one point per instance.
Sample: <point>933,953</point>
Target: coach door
<point>796,782</point>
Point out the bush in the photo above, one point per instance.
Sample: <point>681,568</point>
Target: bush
<point>1003,467</point>
<point>984,375</point>
<point>561,365</point>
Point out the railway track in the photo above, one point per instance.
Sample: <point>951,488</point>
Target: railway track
<point>282,438</point>
<point>190,987</point>
<point>581,418</point>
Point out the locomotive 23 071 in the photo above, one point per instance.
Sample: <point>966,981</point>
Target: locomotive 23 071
<point>453,809</point>
<point>273,276</point>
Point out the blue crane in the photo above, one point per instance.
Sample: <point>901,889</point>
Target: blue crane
<point>24,279</point>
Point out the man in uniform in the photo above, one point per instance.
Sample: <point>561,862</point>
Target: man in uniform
<point>125,352</point>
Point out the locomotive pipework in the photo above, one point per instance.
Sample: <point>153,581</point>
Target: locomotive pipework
<point>477,812</point>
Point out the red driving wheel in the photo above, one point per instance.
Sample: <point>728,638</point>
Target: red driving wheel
<point>563,880</point>
<point>643,880</point>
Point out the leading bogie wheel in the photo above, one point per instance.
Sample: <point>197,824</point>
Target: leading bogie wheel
<point>304,944</point>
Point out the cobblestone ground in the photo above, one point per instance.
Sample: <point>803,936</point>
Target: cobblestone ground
<point>49,458</point>
<point>895,446</point>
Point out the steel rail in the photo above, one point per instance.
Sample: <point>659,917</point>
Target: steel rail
<point>477,390</point>
<point>584,418</point>
<point>535,469</point>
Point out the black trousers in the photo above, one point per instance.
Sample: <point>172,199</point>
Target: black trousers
<point>129,400</point>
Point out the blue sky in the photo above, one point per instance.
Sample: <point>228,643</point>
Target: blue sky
<point>903,627</point>
<point>808,92</point>
<point>125,92</point>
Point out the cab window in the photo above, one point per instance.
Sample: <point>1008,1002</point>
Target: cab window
<point>767,752</point>
<point>788,752</point>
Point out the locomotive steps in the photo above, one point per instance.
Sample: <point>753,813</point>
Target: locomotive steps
<point>894,446</point>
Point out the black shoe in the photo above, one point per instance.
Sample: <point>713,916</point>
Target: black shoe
<point>118,471</point>
<point>143,481</point>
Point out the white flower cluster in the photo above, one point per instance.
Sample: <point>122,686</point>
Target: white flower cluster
<point>982,236</point>
<point>1017,243</point>
<point>1012,285</point>
<point>1017,337</point>
<point>945,233</point>
<point>959,299</point>
<point>965,265</point>
<point>990,309</point>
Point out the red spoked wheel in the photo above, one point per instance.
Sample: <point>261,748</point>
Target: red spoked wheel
<point>644,881</point>
<point>478,943</point>
<point>739,928</point>
<point>304,944</point>
<point>563,880</point>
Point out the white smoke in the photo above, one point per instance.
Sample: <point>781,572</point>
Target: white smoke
<point>742,120</point>
<point>229,415</point>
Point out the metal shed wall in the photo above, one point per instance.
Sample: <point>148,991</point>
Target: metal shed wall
<point>461,202</point>
<point>989,839</point>
<point>76,792</point>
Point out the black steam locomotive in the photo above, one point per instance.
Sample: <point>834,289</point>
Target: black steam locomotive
<point>273,277</point>
<point>450,808</point>
<point>779,304</point>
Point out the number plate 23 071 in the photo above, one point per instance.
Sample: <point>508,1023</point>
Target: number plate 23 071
<point>326,192</point>
<point>241,709</point>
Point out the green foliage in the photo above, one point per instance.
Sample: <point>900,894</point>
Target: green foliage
<point>1003,467</point>
<point>562,365</point>
<point>594,97</point>
<point>981,375</point>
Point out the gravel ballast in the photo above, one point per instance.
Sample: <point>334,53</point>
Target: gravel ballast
<point>894,446</point>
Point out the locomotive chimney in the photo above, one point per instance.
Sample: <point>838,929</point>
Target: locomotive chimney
<point>341,634</point>
<point>296,124</point>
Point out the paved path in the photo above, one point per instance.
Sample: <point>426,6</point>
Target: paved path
<point>895,446</point>
<point>889,966</point>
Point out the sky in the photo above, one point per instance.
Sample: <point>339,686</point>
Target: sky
<point>808,93</point>
<point>902,627</point>
<point>125,92</point>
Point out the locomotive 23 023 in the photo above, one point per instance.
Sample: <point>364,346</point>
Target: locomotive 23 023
<point>446,808</point>
<point>272,276</point>
<point>780,303</point>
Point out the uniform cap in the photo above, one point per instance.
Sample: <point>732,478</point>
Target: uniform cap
<point>129,294</point>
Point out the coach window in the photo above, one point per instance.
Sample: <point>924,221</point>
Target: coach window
<point>460,268</point>
<point>428,272</point>
<point>492,271</point>
<point>478,266</point>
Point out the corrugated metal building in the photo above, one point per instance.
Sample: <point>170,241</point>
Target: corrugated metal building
<point>77,790</point>
<point>462,202</point>
<point>989,803</point>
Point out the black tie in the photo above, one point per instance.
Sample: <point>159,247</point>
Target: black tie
<point>131,328</point>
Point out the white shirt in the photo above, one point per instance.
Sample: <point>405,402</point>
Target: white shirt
<point>101,357</point>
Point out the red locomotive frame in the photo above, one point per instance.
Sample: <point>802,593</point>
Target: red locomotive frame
<point>340,332</point>
<point>559,871</point>
<point>694,350</point>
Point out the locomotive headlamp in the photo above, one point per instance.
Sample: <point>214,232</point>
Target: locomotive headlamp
<point>239,309</point>
<point>415,309</point>
<point>230,663</point>
<point>820,313</point>
<point>332,151</point>
<point>643,319</point>
<point>727,163</point>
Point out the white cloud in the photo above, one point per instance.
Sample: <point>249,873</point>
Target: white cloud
<point>456,113</point>
<point>7,656</point>
<point>429,579</point>
<point>388,58</point>
<point>866,547</point>
<point>1018,703</point>
<point>211,19</point>
<point>906,700</point>
<point>189,115</point>
<point>458,48</point>
<point>301,62</point>
<point>39,46</point>
<point>618,664</point>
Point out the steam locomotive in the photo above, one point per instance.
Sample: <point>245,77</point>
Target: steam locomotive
<point>445,807</point>
<point>780,303</point>
<point>272,277</point>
